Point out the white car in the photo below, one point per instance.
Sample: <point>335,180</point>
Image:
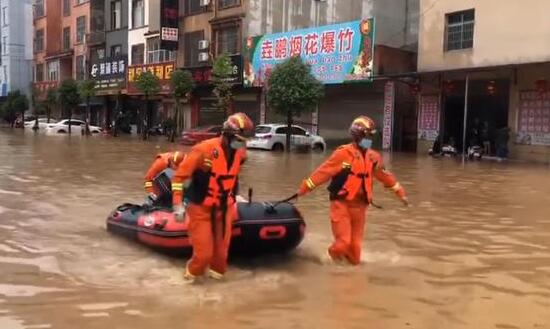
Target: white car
<point>77,126</point>
<point>273,137</point>
<point>42,123</point>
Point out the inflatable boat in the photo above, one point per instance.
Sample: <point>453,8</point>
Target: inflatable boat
<point>260,227</point>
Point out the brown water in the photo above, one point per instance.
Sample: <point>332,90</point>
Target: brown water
<point>472,252</point>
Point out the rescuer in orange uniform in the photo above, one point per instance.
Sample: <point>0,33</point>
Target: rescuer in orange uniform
<point>162,162</point>
<point>210,174</point>
<point>351,169</point>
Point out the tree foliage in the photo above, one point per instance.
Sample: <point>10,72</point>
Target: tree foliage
<point>68,97</point>
<point>293,90</point>
<point>86,89</point>
<point>221,73</point>
<point>182,85</point>
<point>148,83</point>
<point>16,104</point>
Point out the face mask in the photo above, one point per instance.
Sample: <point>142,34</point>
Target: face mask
<point>365,143</point>
<point>237,144</point>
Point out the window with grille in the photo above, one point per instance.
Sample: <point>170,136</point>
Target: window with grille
<point>39,74</point>
<point>116,51</point>
<point>191,48</point>
<point>38,8</point>
<point>138,13</point>
<point>227,41</point>
<point>80,28</point>
<point>39,40</point>
<point>66,38</point>
<point>80,65</point>
<point>193,7</point>
<point>137,54</point>
<point>229,3</point>
<point>53,71</point>
<point>116,15</point>
<point>66,8</point>
<point>460,30</point>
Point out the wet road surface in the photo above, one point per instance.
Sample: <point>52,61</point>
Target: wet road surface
<point>472,252</point>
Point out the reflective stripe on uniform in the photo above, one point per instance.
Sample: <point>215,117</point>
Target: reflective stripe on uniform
<point>148,184</point>
<point>310,184</point>
<point>177,186</point>
<point>346,165</point>
<point>176,156</point>
<point>396,187</point>
<point>208,162</point>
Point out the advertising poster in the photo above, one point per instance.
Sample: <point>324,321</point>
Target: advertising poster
<point>533,118</point>
<point>428,118</point>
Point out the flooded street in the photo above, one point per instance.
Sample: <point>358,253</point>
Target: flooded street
<point>473,250</point>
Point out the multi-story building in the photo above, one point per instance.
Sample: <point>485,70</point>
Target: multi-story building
<point>211,27</point>
<point>60,42</point>
<point>489,60</point>
<point>15,46</point>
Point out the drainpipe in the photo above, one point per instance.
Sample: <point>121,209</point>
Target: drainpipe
<point>465,118</point>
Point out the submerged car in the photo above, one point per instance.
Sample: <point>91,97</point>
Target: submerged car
<point>273,137</point>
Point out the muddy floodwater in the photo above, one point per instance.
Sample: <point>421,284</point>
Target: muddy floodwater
<point>473,250</point>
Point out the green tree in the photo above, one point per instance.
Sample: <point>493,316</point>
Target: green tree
<point>16,103</point>
<point>221,73</point>
<point>86,89</point>
<point>149,85</point>
<point>68,97</point>
<point>293,90</point>
<point>182,84</point>
<point>50,102</point>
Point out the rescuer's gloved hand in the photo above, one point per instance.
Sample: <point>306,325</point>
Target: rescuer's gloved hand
<point>179,213</point>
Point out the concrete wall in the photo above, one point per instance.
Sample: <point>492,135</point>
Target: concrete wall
<point>17,52</point>
<point>396,20</point>
<point>116,37</point>
<point>136,35</point>
<point>505,32</point>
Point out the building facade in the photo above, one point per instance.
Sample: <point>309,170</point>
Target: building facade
<point>61,37</point>
<point>16,46</point>
<point>209,28</point>
<point>502,50</point>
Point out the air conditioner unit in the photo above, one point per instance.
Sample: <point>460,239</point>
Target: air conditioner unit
<point>204,44</point>
<point>204,3</point>
<point>203,57</point>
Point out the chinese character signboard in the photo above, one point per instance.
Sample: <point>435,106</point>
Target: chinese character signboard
<point>109,73</point>
<point>203,75</point>
<point>428,118</point>
<point>163,71</point>
<point>169,24</point>
<point>337,53</point>
<point>534,118</point>
<point>389,101</point>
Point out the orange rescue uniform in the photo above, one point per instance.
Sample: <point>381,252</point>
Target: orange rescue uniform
<point>162,162</point>
<point>211,209</point>
<point>351,171</point>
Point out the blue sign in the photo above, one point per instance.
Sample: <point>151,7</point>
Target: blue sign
<point>337,53</point>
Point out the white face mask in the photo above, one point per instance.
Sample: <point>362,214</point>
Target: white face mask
<point>365,143</point>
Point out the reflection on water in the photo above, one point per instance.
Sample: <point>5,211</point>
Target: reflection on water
<point>472,252</point>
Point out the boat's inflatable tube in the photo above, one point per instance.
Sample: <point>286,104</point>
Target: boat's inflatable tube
<point>259,227</point>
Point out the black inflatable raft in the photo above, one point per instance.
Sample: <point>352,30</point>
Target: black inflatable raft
<point>259,228</point>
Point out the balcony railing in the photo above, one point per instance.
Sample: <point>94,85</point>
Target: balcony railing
<point>95,38</point>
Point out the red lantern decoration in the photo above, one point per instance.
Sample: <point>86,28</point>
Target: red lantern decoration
<point>414,89</point>
<point>541,86</point>
<point>492,87</point>
<point>448,86</point>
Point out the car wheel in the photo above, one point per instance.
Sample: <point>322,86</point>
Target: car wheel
<point>61,131</point>
<point>278,147</point>
<point>318,147</point>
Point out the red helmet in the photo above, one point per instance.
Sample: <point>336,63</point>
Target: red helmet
<point>238,124</point>
<point>362,126</point>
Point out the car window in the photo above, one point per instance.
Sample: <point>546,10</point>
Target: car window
<point>298,131</point>
<point>262,130</point>
<point>76,123</point>
<point>281,130</point>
